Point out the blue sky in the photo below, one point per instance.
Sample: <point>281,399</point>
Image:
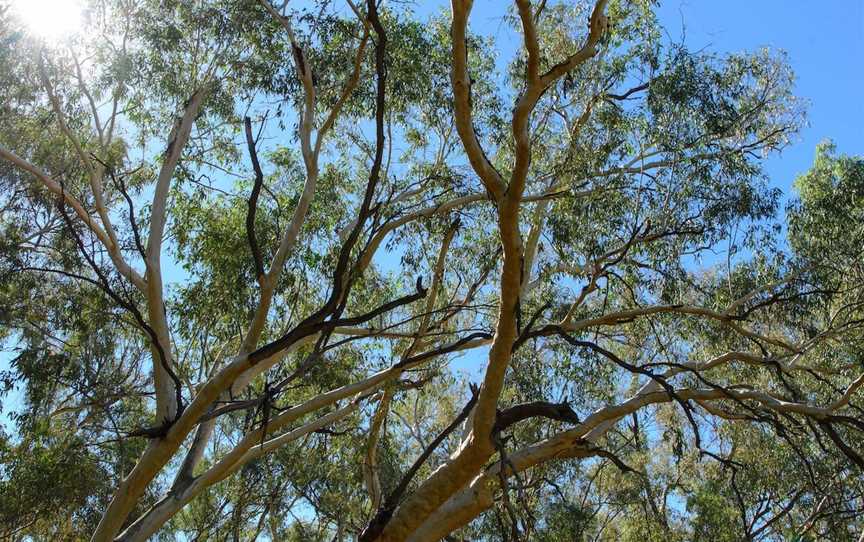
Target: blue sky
<point>824,41</point>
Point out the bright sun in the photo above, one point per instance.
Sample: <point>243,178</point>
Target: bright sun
<point>50,19</point>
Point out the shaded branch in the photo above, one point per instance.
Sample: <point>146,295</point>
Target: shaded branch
<point>253,200</point>
<point>537,409</point>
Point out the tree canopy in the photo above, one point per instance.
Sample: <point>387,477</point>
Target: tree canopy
<point>333,271</point>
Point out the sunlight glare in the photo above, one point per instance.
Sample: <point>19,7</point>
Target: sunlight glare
<point>50,19</point>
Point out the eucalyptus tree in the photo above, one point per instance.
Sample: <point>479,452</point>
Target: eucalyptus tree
<point>245,246</point>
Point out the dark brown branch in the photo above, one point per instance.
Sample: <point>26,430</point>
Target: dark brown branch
<point>315,324</point>
<point>623,467</point>
<point>233,406</point>
<point>536,409</point>
<point>452,347</point>
<point>525,334</point>
<point>639,370</point>
<point>253,200</point>
<point>383,309</point>
<point>136,235</point>
<point>627,94</point>
<point>779,515</point>
<point>121,186</point>
<point>130,307</point>
<point>847,450</point>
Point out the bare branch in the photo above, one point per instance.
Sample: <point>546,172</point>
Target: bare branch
<point>253,201</point>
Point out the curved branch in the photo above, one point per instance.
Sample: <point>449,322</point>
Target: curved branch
<point>253,201</point>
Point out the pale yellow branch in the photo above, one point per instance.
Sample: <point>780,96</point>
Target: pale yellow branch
<point>463,118</point>
<point>56,188</point>
<point>370,461</point>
